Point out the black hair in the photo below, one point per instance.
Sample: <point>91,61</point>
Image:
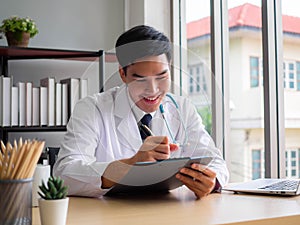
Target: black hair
<point>139,42</point>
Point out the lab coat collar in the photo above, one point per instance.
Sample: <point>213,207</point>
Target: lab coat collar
<point>123,107</point>
<point>126,124</point>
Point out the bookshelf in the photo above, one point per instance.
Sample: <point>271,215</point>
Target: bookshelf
<point>19,53</point>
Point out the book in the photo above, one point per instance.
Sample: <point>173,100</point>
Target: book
<point>35,106</point>
<point>49,82</point>
<point>73,93</point>
<point>28,104</point>
<point>22,97</point>
<point>14,106</point>
<point>5,95</point>
<point>1,100</point>
<point>64,104</point>
<point>58,104</point>
<point>83,88</point>
<point>43,106</point>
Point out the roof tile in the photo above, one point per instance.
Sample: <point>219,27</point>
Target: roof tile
<point>244,15</point>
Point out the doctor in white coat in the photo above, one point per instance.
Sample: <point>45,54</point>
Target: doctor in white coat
<point>103,139</point>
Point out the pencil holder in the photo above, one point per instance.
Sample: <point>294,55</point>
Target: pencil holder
<point>16,202</point>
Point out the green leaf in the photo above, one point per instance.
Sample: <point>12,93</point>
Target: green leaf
<point>52,188</point>
<point>60,195</point>
<point>48,196</point>
<point>41,195</point>
<point>43,187</point>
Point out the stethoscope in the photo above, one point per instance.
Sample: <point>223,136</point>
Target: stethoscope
<point>147,131</point>
<point>162,111</point>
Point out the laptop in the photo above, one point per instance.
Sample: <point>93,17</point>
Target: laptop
<point>149,177</point>
<point>287,187</point>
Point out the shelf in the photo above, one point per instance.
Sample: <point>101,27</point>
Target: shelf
<point>4,131</point>
<point>18,53</point>
<point>38,53</point>
<point>34,129</point>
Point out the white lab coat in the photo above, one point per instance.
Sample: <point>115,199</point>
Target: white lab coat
<point>103,129</point>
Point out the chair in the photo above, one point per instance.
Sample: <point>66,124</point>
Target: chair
<point>52,156</point>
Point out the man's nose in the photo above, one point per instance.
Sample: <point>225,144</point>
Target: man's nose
<point>151,86</point>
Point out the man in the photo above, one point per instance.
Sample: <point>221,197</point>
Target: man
<point>103,139</point>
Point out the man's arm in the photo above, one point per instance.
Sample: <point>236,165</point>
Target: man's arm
<point>154,148</point>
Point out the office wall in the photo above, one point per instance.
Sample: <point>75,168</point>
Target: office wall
<point>79,25</point>
<point>156,13</point>
<point>75,24</point>
<point>66,24</point>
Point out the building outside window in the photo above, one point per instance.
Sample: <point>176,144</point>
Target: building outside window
<point>246,86</point>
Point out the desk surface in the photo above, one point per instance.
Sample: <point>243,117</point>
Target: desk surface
<point>181,207</point>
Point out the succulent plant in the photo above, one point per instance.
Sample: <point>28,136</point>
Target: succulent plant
<point>55,189</point>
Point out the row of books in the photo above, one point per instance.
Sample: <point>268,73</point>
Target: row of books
<point>50,104</point>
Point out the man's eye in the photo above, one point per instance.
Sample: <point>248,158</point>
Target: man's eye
<point>140,80</point>
<point>161,78</point>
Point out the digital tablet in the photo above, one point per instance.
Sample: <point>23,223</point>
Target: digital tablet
<point>159,176</point>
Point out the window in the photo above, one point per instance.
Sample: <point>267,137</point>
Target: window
<point>292,163</point>
<point>254,72</point>
<point>256,164</point>
<point>291,95</point>
<point>197,79</point>
<point>290,75</point>
<point>298,75</point>
<point>255,118</point>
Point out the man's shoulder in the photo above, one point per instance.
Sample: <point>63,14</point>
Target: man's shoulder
<point>107,95</point>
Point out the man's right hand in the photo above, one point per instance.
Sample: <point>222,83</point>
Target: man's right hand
<point>154,148</point>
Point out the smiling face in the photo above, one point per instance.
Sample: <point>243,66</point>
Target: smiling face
<point>148,81</point>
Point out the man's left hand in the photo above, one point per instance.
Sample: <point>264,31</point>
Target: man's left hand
<point>199,179</point>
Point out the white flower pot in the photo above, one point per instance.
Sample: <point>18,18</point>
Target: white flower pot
<point>53,212</point>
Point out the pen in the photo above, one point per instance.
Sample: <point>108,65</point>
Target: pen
<point>146,130</point>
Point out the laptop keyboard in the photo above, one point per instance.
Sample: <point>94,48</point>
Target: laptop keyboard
<point>282,185</point>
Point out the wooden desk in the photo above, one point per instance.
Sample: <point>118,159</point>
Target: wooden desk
<point>180,207</point>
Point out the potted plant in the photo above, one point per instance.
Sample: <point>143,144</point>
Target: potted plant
<point>53,203</point>
<point>18,30</point>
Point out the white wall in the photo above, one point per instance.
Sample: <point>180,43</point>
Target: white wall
<point>70,24</point>
<point>247,101</point>
<point>291,98</point>
<point>155,13</point>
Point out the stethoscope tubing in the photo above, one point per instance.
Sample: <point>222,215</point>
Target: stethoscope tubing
<point>162,111</point>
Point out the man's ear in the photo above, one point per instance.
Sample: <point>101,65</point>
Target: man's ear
<point>122,74</point>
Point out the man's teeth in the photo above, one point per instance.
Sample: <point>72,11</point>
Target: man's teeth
<point>151,99</point>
